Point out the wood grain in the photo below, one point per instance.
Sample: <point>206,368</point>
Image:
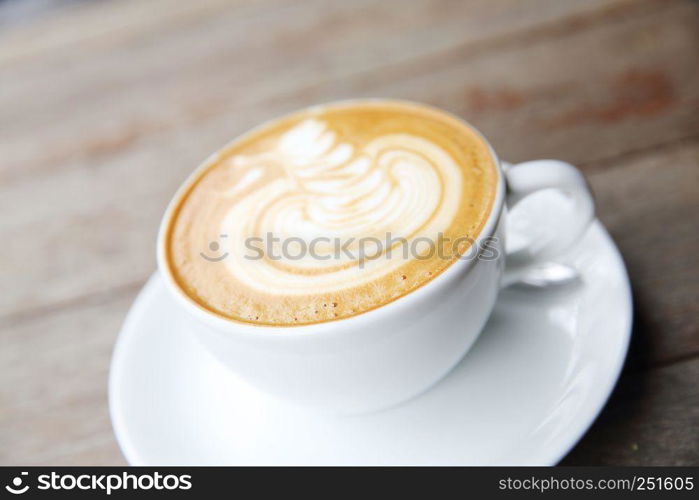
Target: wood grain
<point>176,76</point>
<point>54,386</point>
<point>651,419</point>
<point>650,203</point>
<point>105,107</point>
<point>126,175</point>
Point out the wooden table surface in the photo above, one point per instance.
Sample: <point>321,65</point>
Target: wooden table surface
<point>105,107</point>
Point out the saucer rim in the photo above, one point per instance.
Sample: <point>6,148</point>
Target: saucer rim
<point>622,354</point>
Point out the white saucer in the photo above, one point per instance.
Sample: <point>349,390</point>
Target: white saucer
<point>527,391</point>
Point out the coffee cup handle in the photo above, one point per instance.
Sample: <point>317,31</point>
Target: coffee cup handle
<point>539,230</point>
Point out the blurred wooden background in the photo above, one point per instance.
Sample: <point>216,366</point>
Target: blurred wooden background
<point>106,106</point>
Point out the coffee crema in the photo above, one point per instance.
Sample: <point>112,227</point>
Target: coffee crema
<point>254,235</point>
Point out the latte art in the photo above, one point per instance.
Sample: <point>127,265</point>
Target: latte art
<point>255,237</point>
<point>327,191</point>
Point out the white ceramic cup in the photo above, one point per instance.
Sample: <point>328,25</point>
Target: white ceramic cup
<point>390,354</point>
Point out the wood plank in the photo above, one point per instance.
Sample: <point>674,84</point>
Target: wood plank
<point>228,66</point>
<point>54,372</point>
<point>92,217</point>
<point>92,26</point>
<point>579,92</point>
<point>650,205</point>
<point>652,418</point>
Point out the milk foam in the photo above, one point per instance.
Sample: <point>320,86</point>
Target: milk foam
<point>318,180</point>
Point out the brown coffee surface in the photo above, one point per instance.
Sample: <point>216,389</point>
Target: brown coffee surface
<point>330,212</point>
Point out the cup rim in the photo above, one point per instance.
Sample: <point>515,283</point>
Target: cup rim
<point>402,303</point>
